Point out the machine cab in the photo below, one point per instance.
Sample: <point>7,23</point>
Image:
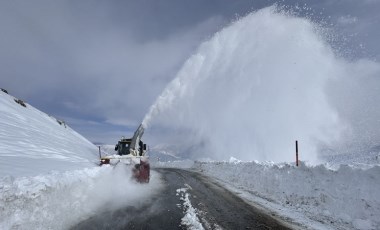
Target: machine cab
<point>123,146</point>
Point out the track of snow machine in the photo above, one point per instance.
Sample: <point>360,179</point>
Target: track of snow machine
<point>131,152</point>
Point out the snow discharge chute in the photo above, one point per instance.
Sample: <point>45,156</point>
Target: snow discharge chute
<point>135,143</point>
<point>131,152</point>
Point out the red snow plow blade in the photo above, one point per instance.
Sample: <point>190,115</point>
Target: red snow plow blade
<point>141,172</point>
<point>139,165</point>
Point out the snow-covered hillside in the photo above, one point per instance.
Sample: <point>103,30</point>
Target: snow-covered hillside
<point>48,175</point>
<point>32,142</point>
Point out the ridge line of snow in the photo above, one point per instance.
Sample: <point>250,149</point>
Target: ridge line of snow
<point>190,220</point>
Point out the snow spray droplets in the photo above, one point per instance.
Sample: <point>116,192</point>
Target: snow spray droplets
<point>254,88</point>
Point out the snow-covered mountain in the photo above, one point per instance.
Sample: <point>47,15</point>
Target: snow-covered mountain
<point>32,142</point>
<point>163,152</point>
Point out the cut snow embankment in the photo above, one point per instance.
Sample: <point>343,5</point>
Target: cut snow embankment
<point>316,197</point>
<point>32,142</point>
<point>184,164</point>
<point>61,200</point>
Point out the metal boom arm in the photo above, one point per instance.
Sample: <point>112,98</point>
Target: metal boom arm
<point>137,137</point>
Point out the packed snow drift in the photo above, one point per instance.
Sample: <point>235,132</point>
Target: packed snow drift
<point>346,198</point>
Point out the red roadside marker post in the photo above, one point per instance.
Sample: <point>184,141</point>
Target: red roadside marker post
<point>296,153</point>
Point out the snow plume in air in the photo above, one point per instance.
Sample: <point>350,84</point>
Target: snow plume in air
<point>258,85</point>
<point>61,200</point>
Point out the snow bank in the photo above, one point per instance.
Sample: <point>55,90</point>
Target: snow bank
<point>60,200</point>
<point>32,142</point>
<point>347,198</point>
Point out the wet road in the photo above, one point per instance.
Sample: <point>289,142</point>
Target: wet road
<point>216,207</point>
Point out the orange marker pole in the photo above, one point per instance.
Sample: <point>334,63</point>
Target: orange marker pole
<point>296,153</point>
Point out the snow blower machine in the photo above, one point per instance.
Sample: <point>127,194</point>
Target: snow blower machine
<point>131,151</point>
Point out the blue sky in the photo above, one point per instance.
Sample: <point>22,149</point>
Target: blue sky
<point>100,65</point>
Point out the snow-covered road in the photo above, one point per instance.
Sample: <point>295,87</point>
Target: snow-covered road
<point>188,201</point>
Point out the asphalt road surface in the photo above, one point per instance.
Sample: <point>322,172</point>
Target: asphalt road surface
<point>216,207</point>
